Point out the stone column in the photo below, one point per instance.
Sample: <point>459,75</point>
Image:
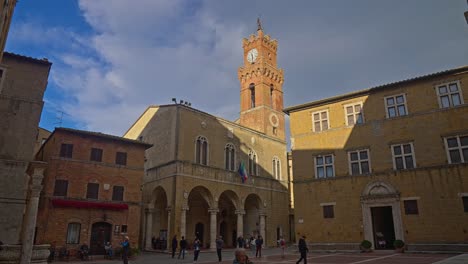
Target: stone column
<point>183,221</point>
<point>169,238</point>
<point>149,227</point>
<point>213,223</point>
<point>262,226</point>
<point>30,216</point>
<point>240,222</point>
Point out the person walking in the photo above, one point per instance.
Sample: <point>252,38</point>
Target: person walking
<point>196,249</point>
<point>240,242</point>
<point>282,244</point>
<point>183,247</point>
<point>253,242</point>
<point>258,245</point>
<point>174,245</point>
<point>219,248</point>
<point>303,250</point>
<point>125,249</point>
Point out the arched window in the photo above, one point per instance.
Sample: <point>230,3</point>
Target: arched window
<point>252,163</point>
<point>201,151</point>
<point>272,102</point>
<point>229,157</point>
<point>252,95</point>
<point>276,168</point>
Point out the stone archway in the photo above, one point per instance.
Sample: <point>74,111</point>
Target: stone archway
<point>200,201</point>
<point>159,221</point>
<point>228,222</point>
<point>376,195</point>
<point>254,223</point>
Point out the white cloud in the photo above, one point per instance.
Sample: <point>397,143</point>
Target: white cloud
<point>146,52</point>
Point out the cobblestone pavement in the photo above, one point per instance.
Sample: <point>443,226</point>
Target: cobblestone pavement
<point>274,256</point>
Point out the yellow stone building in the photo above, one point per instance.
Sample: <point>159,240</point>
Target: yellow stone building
<point>192,186</point>
<point>386,163</point>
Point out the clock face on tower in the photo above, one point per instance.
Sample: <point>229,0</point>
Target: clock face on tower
<point>252,55</point>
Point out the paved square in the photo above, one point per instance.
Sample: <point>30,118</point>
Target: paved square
<point>274,256</point>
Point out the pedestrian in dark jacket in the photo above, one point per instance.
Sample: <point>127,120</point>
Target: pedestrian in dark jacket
<point>240,242</point>
<point>196,249</point>
<point>219,247</point>
<point>183,247</point>
<point>125,249</point>
<point>259,245</point>
<point>174,245</point>
<point>303,250</point>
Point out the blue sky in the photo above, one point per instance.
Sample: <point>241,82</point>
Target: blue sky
<point>113,58</point>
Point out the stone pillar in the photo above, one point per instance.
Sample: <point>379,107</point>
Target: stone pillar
<point>30,216</point>
<point>183,221</point>
<point>262,226</point>
<point>213,224</point>
<point>169,238</point>
<point>240,222</point>
<point>149,227</point>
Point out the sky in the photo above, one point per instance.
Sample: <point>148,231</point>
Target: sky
<point>113,58</point>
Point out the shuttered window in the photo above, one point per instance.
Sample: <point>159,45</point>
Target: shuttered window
<point>117,193</point>
<point>93,191</point>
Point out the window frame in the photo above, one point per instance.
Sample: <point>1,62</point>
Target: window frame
<point>96,153</point>
<point>276,163</point>
<point>67,241</point>
<point>118,160</point>
<point>320,120</point>
<point>328,211</point>
<point>252,163</point>
<point>88,193</point>
<point>230,157</point>
<point>465,203</point>
<point>324,165</point>
<point>449,94</point>
<point>411,209</point>
<point>200,141</point>
<point>56,192</point>
<point>413,155</point>
<point>64,151</point>
<point>114,193</point>
<point>252,95</point>
<point>460,149</point>
<point>350,167</point>
<point>405,104</point>
<point>353,113</point>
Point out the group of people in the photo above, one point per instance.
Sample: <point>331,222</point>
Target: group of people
<point>241,257</point>
<point>84,250</point>
<point>254,243</point>
<point>197,244</point>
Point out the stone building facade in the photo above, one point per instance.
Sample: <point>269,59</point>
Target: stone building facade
<point>23,81</point>
<point>192,186</point>
<point>91,189</point>
<point>385,163</point>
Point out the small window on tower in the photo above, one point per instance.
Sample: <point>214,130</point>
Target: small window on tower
<point>275,131</point>
<point>272,101</point>
<point>252,95</point>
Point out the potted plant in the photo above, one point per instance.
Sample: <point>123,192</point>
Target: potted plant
<point>366,246</point>
<point>399,246</point>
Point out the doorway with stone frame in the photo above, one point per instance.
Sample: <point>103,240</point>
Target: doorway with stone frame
<point>380,201</point>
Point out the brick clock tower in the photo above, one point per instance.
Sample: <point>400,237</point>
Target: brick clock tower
<point>261,92</point>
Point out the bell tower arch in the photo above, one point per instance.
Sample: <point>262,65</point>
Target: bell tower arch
<point>261,85</point>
